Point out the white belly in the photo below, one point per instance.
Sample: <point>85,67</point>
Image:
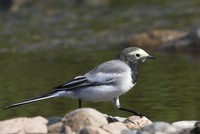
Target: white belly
<point>101,93</point>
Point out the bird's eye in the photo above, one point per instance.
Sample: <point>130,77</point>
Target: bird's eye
<point>137,55</point>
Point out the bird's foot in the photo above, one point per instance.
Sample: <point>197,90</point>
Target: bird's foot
<point>139,114</point>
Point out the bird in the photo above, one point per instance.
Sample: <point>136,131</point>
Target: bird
<point>106,82</point>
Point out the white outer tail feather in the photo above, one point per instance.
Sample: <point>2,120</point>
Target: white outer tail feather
<point>43,97</point>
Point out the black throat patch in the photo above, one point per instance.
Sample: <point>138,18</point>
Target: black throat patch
<point>134,69</point>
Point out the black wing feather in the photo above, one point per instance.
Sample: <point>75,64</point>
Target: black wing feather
<point>77,82</point>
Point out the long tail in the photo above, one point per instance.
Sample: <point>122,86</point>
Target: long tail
<point>31,100</point>
<point>61,90</point>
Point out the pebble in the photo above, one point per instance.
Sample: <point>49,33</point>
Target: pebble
<point>93,130</point>
<point>114,128</point>
<point>196,130</point>
<point>136,122</point>
<point>158,128</point>
<point>184,124</point>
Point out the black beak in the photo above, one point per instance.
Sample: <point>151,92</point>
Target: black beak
<point>150,57</point>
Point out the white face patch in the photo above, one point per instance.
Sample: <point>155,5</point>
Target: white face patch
<point>139,53</point>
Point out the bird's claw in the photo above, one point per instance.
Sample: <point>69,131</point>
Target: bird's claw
<point>139,114</point>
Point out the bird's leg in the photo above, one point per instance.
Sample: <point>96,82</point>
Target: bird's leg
<point>117,104</point>
<point>133,112</point>
<point>80,103</point>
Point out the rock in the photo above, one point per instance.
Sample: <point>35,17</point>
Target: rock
<point>135,122</point>
<point>56,128</point>
<point>129,131</point>
<point>190,43</point>
<point>154,39</point>
<point>185,131</point>
<point>184,124</point>
<point>55,125</point>
<point>196,130</point>
<point>158,128</point>
<point>197,124</point>
<point>83,117</point>
<point>93,130</point>
<point>67,130</point>
<point>24,125</point>
<point>114,128</point>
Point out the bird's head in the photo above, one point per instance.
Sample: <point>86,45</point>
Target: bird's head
<point>134,55</point>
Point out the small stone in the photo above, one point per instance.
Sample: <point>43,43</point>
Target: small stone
<point>93,130</point>
<point>67,130</point>
<point>184,124</point>
<point>56,128</point>
<point>129,131</point>
<point>135,122</point>
<point>158,128</point>
<point>196,130</point>
<point>24,125</point>
<point>114,128</point>
<point>83,117</point>
<point>197,124</point>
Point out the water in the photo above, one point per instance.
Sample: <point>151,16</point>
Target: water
<point>167,88</point>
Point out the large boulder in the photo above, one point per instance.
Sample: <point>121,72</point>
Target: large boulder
<point>190,43</point>
<point>154,39</point>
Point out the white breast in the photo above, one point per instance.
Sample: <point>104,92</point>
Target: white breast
<point>126,82</point>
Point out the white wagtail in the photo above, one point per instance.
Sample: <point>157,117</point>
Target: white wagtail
<point>105,82</point>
